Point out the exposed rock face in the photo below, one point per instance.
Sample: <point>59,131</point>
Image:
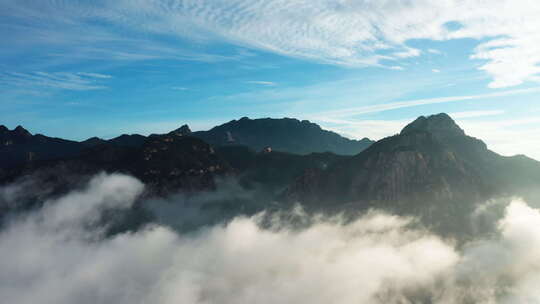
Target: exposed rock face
<point>285,135</point>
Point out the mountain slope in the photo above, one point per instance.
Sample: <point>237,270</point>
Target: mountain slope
<point>18,146</point>
<point>272,170</point>
<point>163,162</point>
<point>285,135</point>
<point>431,169</point>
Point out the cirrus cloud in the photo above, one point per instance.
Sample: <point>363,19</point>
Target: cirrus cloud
<point>349,33</point>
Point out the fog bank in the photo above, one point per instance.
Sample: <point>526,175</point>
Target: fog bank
<point>60,254</point>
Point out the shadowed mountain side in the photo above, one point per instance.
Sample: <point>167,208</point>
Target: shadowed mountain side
<point>19,146</point>
<point>165,163</point>
<point>272,170</point>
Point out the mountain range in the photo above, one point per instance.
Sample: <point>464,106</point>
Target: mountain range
<point>431,169</point>
<point>285,135</point>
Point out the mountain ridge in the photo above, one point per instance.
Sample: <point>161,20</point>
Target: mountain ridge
<point>431,169</point>
<point>285,134</point>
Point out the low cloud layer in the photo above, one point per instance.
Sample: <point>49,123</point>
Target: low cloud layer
<point>59,254</point>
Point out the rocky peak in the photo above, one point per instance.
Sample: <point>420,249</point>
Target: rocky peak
<point>182,131</point>
<point>3,129</point>
<point>439,124</point>
<point>20,131</point>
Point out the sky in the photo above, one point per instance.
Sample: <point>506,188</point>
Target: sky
<point>364,68</point>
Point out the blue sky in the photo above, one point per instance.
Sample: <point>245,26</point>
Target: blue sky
<point>75,69</point>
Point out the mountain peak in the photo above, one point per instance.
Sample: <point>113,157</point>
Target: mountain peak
<point>182,131</point>
<point>92,141</point>
<point>3,128</point>
<point>19,130</point>
<point>440,124</point>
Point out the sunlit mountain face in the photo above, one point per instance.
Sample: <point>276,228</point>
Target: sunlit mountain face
<point>276,151</point>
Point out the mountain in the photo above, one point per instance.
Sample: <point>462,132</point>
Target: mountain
<point>285,135</point>
<point>431,168</point>
<point>93,141</point>
<point>272,170</point>
<point>163,162</point>
<point>125,140</point>
<point>176,161</point>
<point>19,146</point>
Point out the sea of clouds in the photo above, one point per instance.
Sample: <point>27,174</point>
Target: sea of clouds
<point>61,253</point>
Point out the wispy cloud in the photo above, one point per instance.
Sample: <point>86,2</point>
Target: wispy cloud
<point>418,102</point>
<point>264,83</point>
<point>80,81</point>
<point>94,75</point>
<point>409,52</point>
<point>179,88</point>
<point>436,70</point>
<point>474,114</point>
<point>354,33</point>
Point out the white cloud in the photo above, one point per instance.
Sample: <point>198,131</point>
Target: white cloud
<point>471,114</point>
<point>504,270</point>
<point>436,71</point>
<point>351,33</point>
<point>413,103</point>
<point>55,255</point>
<point>264,83</point>
<point>180,88</point>
<point>94,75</point>
<point>409,52</point>
<point>58,80</point>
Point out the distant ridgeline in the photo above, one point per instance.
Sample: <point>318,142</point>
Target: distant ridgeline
<point>285,135</point>
<point>431,169</point>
